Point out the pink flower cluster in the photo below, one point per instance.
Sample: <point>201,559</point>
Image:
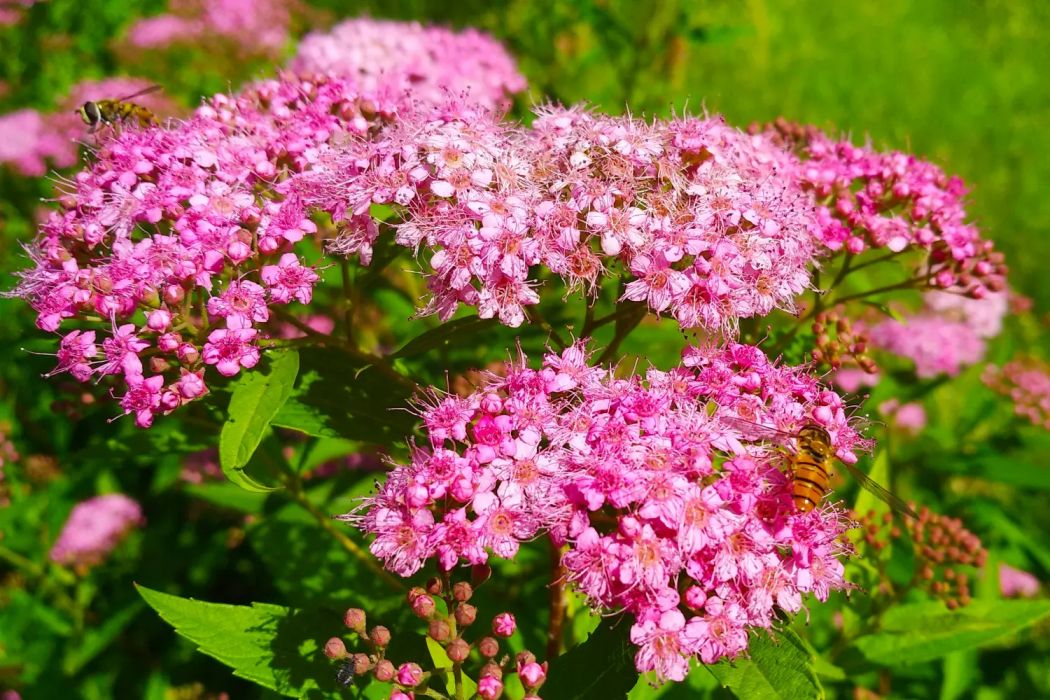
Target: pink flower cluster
<point>430,63</point>
<point>669,512</point>
<point>947,335</point>
<point>31,142</point>
<point>1027,383</point>
<point>894,201</point>
<point>94,528</point>
<point>255,26</point>
<point>691,209</point>
<point>177,244</point>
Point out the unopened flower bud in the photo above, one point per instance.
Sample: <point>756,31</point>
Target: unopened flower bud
<point>380,636</point>
<point>490,688</point>
<point>188,353</point>
<point>158,320</point>
<point>465,614</point>
<point>158,365</point>
<point>398,694</point>
<point>409,675</point>
<point>354,618</point>
<point>532,675</point>
<point>462,591</point>
<point>384,671</point>
<point>488,647</point>
<point>362,664</point>
<point>423,606</point>
<point>695,597</point>
<point>434,586</point>
<point>458,650</point>
<point>334,648</point>
<point>439,630</point>
<point>524,657</point>
<point>491,670</point>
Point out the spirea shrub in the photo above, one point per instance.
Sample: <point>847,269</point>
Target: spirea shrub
<point>269,257</point>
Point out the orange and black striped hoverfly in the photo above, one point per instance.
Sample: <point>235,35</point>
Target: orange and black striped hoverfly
<point>810,464</point>
<point>110,112</point>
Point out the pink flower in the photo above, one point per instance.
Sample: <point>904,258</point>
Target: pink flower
<point>569,447</point>
<point>143,398</point>
<point>288,280</point>
<point>229,349</point>
<point>241,300</point>
<point>94,528</point>
<point>661,649</point>
<point>503,625</point>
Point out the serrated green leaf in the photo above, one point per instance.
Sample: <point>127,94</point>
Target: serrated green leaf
<point>337,396</point>
<point>452,332</point>
<point>601,667</point>
<point>920,632</point>
<point>276,647</point>
<point>779,668</point>
<point>256,399</point>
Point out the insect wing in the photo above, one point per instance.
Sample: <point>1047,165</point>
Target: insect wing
<point>140,93</point>
<point>750,430</point>
<point>881,493</point>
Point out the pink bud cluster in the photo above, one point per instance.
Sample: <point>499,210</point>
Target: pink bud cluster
<point>947,335</point>
<point>894,201</point>
<point>669,512</point>
<point>254,26</point>
<point>430,63</point>
<point>32,141</point>
<point>448,630</point>
<point>692,210</point>
<point>94,528</point>
<point>1027,383</point>
<point>176,244</point>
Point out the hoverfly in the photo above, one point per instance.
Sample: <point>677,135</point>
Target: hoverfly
<point>810,464</point>
<point>95,113</point>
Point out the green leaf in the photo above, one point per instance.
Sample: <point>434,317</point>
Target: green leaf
<point>777,667</point>
<point>441,661</point>
<point>227,495</point>
<point>336,395</point>
<point>920,632</point>
<point>444,335</point>
<point>276,647</point>
<point>257,397</point>
<point>601,667</point>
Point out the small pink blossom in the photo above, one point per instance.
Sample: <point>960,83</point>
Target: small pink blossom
<point>230,349</point>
